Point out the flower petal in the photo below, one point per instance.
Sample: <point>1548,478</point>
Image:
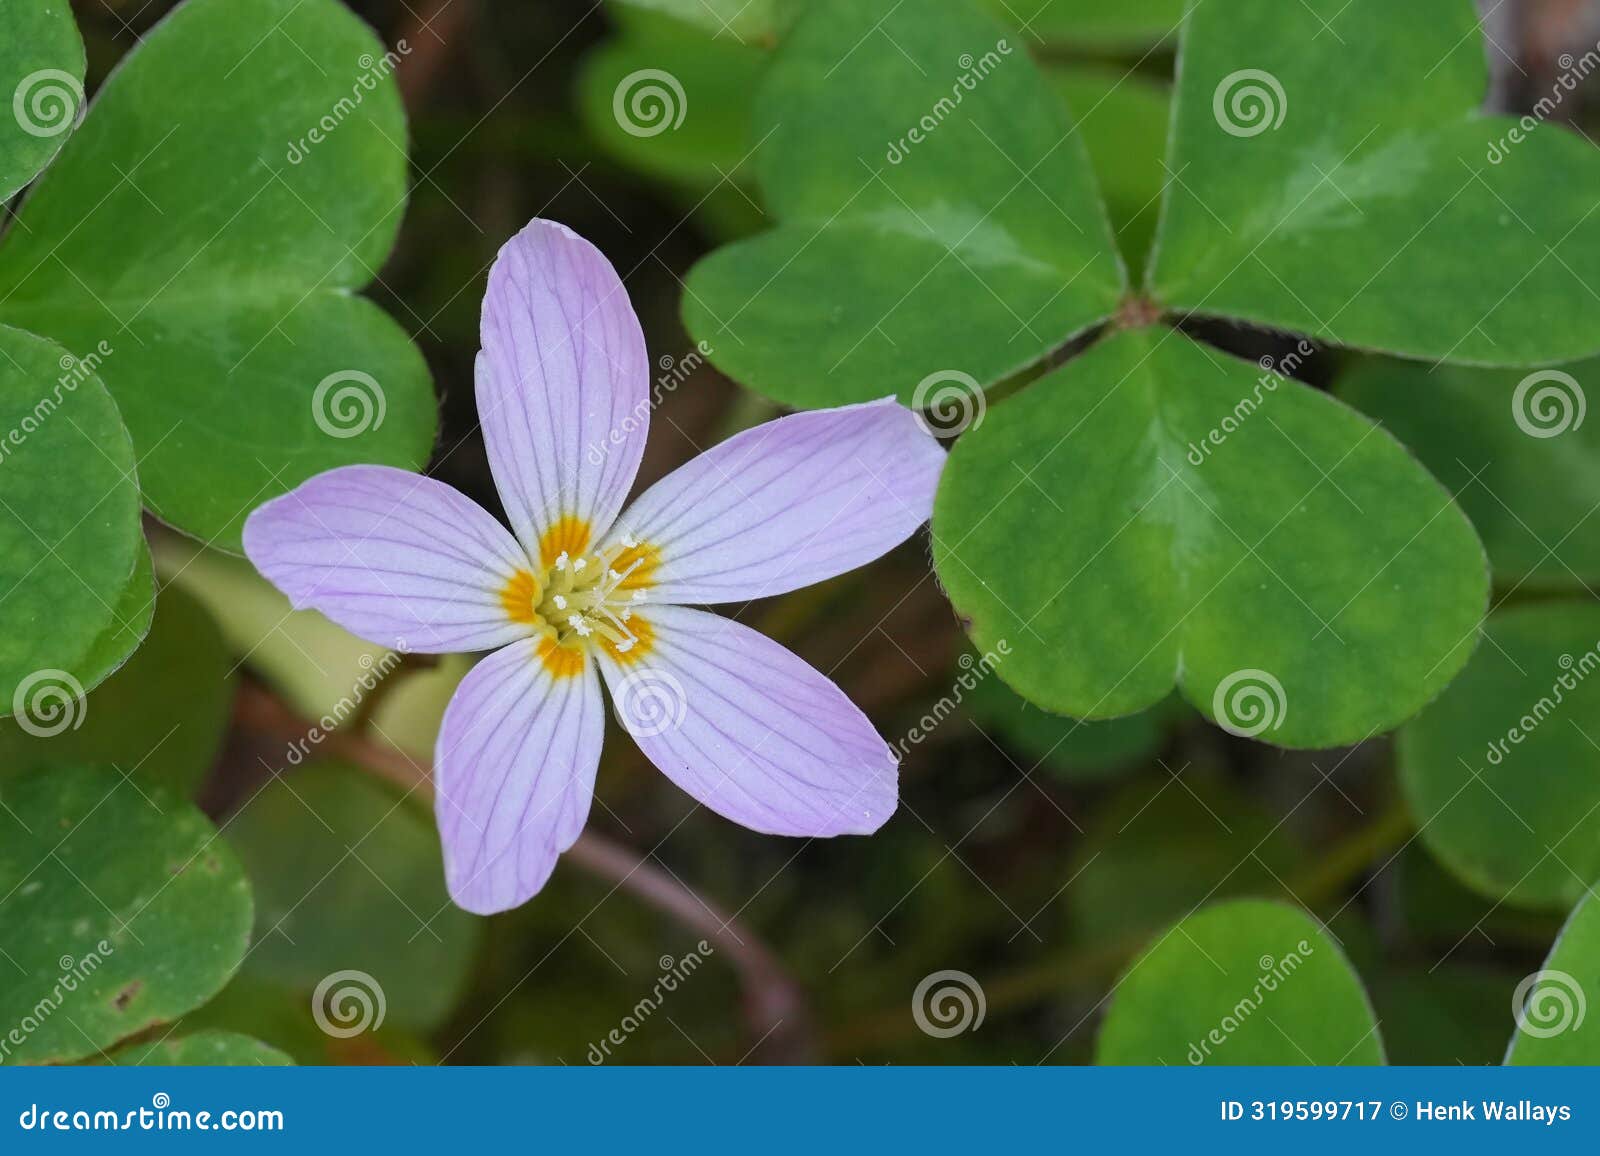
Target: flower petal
<point>563,382</point>
<point>393,557</point>
<point>751,730</point>
<point>787,504</point>
<point>514,770</point>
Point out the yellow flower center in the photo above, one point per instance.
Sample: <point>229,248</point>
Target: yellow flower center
<point>584,598</point>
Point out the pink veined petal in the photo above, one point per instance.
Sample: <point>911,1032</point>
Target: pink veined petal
<point>514,770</point>
<point>751,730</point>
<point>399,559</point>
<point>562,382</point>
<point>788,504</point>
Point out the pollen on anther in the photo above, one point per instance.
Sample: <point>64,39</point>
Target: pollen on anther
<point>561,602</point>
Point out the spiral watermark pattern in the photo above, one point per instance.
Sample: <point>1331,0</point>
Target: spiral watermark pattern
<point>48,702</point>
<point>948,403</point>
<point>650,703</point>
<point>1249,703</point>
<point>649,102</point>
<point>1249,102</point>
<point>349,403</point>
<point>347,1003</point>
<point>1548,1003</point>
<point>47,103</point>
<point>947,1003</point>
<point>1549,403</point>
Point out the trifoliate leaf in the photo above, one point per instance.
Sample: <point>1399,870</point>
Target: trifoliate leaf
<point>939,220</point>
<point>1158,513</point>
<point>1338,179</point>
<point>212,246</point>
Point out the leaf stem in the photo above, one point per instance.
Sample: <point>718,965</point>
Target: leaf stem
<point>777,1018</point>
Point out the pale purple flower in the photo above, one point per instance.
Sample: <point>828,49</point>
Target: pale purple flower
<point>737,721</point>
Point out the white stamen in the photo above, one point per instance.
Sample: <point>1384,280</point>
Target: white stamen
<point>561,602</point>
<point>561,562</point>
<point>624,646</point>
<point>579,564</point>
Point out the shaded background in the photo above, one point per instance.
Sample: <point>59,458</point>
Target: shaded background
<point>1031,853</point>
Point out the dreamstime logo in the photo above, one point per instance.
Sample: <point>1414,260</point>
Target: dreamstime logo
<point>74,372</point>
<point>47,102</point>
<point>649,102</point>
<point>673,973</point>
<point>973,671</point>
<point>1548,1003</point>
<point>650,703</point>
<point>372,673</point>
<point>348,403</point>
<point>973,70</point>
<point>347,1003</point>
<point>947,1003</point>
<point>1249,703</point>
<point>1573,672</point>
<point>1574,72</point>
<point>48,702</point>
<point>1274,372</point>
<point>1549,403</point>
<point>1273,973</point>
<point>373,71</point>
<point>674,372</point>
<point>1249,102</point>
<point>74,972</point>
<point>948,403</point>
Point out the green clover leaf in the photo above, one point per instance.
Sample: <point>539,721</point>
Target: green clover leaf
<point>74,572</point>
<point>1124,526</point>
<point>121,906</point>
<point>1514,448</point>
<point>1503,771</point>
<point>937,214</point>
<point>1241,983</point>
<point>1351,127</point>
<point>41,86</point>
<point>210,248</point>
<point>1555,1024</point>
